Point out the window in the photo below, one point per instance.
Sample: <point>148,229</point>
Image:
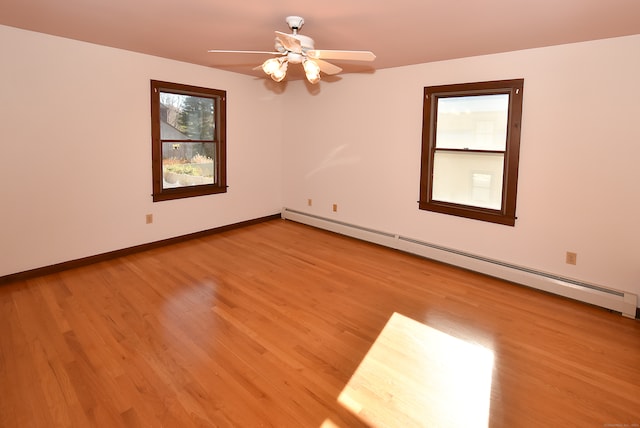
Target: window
<point>188,132</point>
<point>470,150</point>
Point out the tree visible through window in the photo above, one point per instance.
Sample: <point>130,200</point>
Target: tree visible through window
<point>470,150</point>
<point>188,140</point>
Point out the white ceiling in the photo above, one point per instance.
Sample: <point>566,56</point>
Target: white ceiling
<point>399,32</point>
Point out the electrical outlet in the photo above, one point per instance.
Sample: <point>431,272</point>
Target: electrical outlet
<point>309,202</point>
<point>335,208</point>
<point>149,218</point>
<point>572,258</point>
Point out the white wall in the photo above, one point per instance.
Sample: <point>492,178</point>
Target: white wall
<point>356,142</point>
<point>75,151</point>
<point>75,154</point>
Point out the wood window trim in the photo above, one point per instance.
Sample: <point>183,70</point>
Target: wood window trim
<point>507,214</point>
<point>220,185</point>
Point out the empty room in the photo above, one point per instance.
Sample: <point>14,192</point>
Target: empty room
<point>319,214</point>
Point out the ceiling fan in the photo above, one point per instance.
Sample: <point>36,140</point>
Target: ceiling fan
<point>298,49</point>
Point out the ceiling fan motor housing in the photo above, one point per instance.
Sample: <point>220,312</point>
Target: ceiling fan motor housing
<point>306,44</point>
<point>305,41</point>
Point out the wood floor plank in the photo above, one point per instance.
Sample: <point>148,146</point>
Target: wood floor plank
<point>280,324</point>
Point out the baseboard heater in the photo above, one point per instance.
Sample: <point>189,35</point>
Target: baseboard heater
<point>615,300</point>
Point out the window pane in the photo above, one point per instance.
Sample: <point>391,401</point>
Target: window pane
<point>473,179</point>
<point>188,164</point>
<point>475,122</point>
<point>185,117</point>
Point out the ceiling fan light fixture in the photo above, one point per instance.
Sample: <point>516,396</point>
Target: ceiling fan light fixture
<point>313,79</point>
<point>280,72</point>
<point>270,66</point>
<point>277,77</point>
<point>311,70</point>
<point>310,66</point>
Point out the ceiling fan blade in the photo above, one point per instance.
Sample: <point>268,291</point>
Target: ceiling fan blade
<point>243,52</point>
<point>327,67</point>
<point>346,55</point>
<point>289,42</point>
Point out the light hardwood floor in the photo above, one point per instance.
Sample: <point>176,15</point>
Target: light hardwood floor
<point>280,324</point>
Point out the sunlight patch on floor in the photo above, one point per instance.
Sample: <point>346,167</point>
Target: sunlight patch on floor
<point>417,376</point>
